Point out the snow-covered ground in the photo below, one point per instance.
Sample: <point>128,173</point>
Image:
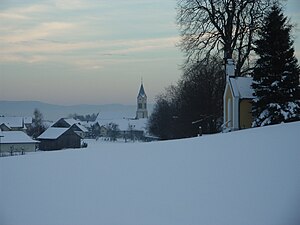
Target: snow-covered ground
<point>249,177</point>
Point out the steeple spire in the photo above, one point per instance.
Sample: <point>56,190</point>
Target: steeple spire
<point>142,91</point>
<point>142,111</point>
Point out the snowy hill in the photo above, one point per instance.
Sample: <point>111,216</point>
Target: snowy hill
<point>249,177</point>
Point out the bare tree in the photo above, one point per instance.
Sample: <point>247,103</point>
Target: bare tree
<point>37,127</point>
<point>230,26</point>
<point>113,131</point>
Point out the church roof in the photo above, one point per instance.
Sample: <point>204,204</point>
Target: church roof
<point>142,91</point>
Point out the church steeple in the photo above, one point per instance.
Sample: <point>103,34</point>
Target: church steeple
<point>142,91</point>
<point>141,111</point>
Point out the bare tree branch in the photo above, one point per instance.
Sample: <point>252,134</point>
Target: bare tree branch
<point>208,26</point>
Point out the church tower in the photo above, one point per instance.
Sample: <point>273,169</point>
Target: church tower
<point>141,111</point>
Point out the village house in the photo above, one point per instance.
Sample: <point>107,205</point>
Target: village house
<point>57,138</point>
<point>98,130</point>
<point>238,96</point>
<point>75,125</point>
<point>16,141</point>
<point>5,127</point>
<point>11,123</point>
<point>128,128</point>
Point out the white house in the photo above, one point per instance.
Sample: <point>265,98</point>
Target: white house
<point>16,141</point>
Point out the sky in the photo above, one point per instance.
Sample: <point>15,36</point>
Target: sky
<point>92,51</point>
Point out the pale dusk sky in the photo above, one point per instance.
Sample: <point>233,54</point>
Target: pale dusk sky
<point>92,51</point>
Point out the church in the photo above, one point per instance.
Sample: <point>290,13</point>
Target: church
<point>237,99</point>
<point>142,112</point>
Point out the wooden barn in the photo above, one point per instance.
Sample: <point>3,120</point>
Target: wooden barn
<point>74,124</point>
<point>56,138</point>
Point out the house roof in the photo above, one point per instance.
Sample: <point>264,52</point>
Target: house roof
<point>53,133</point>
<point>12,121</point>
<point>81,127</point>
<point>241,87</point>
<point>71,122</point>
<point>15,137</point>
<point>27,120</point>
<point>4,124</point>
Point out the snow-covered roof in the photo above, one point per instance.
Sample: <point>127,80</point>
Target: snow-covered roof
<point>241,87</point>
<point>5,124</point>
<point>12,121</point>
<point>53,133</point>
<point>81,127</point>
<point>14,137</point>
<point>28,120</point>
<point>71,121</point>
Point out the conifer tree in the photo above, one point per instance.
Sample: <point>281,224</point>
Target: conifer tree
<point>276,73</point>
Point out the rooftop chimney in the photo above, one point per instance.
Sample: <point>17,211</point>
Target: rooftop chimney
<point>230,68</point>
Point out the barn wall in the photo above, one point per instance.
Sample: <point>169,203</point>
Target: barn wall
<point>68,140</point>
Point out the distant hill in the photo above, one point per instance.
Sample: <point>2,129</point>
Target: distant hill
<point>54,112</point>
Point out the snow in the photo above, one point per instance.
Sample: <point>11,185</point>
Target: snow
<point>238,178</point>
<point>14,137</point>
<point>81,127</point>
<point>288,111</point>
<point>53,133</point>
<point>241,87</point>
<point>12,121</point>
<point>71,121</point>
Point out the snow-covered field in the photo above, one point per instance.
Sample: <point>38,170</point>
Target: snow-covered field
<point>249,177</point>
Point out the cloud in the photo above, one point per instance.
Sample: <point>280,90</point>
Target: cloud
<point>38,8</point>
<point>12,16</point>
<point>72,4</point>
<point>14,58</point>
<point>41,31</point>
<point>34,43</point>
<point>53,32</point>
<point>85,55</point>
<point>22,13</point>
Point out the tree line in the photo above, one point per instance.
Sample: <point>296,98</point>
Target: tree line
<point>194,103</point>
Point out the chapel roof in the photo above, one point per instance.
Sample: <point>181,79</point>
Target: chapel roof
<point>241,87</point>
